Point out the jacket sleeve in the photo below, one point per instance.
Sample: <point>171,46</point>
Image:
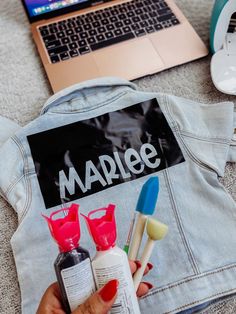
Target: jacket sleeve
<point>7,129</point>
<point>206,130</point>
<point>12,177</point>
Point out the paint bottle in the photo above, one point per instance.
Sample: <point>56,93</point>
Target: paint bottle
<point>73,264</point>
<point>111,262</point>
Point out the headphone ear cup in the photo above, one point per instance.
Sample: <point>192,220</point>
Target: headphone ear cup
<point>223,66</point>
<point>220,20</point>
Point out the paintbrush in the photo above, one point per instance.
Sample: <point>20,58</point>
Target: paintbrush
<point>126,246</point>
<point>145,206</point>
<point>155,231</point>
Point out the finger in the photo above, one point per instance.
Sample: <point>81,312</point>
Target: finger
<point>51,301</point>
<point>134,265</point>
<point>55,290</point>
<point>143,289</point>
<point>148,268</point>
<point>101,301</point>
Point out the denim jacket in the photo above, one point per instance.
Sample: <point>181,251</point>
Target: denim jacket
<point>97,143</point>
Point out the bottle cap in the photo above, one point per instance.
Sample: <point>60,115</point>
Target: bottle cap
<point>102,229</point>
<point>65,231</point>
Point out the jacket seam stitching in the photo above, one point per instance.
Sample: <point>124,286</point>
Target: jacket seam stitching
<point>168,113</point>
<point>180,225</point>
<point>25,177</point>
<point>168,109</point>
<point>99,105</point>
<point>194,158</point>
<point>48,105</point>
<point>174,206</point>
<point>218,140</point>
<point>188,151</point>
<point>189,279</point>
<point>201,300</point>
<point>11,186</point>
<point>178,133</point>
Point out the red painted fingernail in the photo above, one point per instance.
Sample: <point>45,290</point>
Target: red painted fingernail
<point>150,286</point>
<point>138,264</point>
<point>109,290</point>
<point>150,266</point>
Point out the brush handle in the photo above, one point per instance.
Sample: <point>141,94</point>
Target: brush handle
<point>144,260</point>
<point>127,244</point>
<point>137,236</point>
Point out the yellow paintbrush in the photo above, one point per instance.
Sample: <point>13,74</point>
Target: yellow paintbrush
<point>155,231</point>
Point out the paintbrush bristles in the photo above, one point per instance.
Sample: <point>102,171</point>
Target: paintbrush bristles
<point>148,196</point>
<point>156,230</point>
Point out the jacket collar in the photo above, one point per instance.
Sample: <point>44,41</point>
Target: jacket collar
<point>73,91</point>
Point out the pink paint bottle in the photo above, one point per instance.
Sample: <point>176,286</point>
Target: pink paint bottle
<point>73,264</point>
<point>111,262</point>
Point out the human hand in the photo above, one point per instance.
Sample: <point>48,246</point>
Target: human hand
<point>98,303</point>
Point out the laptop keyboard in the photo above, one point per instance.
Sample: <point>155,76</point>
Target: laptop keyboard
<point>85,33</point>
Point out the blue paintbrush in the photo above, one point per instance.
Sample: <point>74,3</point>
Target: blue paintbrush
<point>145,206</point>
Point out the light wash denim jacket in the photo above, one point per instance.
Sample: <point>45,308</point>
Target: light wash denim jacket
<point>196,262</point>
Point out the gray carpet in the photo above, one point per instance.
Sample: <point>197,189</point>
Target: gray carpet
<point>24,88</point>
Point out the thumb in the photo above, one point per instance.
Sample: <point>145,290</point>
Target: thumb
<point>101,301</point>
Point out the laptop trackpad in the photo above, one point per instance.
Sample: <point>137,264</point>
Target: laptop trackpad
<point>130,59</point>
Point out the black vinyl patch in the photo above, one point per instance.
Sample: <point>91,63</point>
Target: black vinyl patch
<point>85,157</point>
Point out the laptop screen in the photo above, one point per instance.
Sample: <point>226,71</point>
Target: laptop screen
<point>42,9</point>
<point>37,7</point>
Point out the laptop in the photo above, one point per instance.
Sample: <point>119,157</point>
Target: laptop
<point>85,39</point>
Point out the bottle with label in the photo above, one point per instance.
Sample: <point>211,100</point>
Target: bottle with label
<point>73,265</point>
<point>111,262</point>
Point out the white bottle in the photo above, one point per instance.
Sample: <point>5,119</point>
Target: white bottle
<point>111,262</point>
